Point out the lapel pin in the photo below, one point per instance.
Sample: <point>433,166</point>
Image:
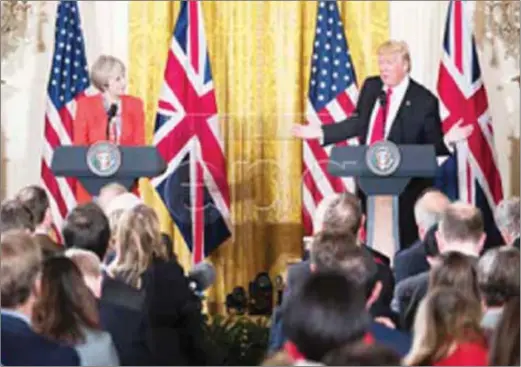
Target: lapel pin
<point>407,103</point>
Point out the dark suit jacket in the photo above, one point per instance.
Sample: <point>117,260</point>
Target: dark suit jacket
<point>410,261</point>
<point>408,295</point>
<point>394,339</point>
<point>21,346</point>
<point>417,122</point>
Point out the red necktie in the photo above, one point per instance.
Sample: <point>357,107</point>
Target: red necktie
<point>378,132</point>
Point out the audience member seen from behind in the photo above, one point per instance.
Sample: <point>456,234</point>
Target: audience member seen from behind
<point>325,313</point>
<point>447,331</point>
<point>362,354</point>
<point>87,227</point>
<point>458,271</point>
<point>498,279</point>
<point>15,215</point>
<point>67,312</point>
<point>504,350</point>
<point>359,267</point>
<point>35,199</point>
<point>506,216</point>
<point>141,262</point>
<point>19,269</point>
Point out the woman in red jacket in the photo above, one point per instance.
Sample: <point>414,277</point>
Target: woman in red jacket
<point>110,115</point>
<point>447,331</point>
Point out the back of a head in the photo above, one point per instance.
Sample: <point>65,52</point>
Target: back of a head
<point>36,200</point>
<point>343,214</point>
<point>15,215</point>
<point>328,249</point>
<point>443,313</point>
<point>108,193</point>
<point>429,208</point>
<point>458,271</point>
<point>362,354</point>
<point>461,225</point>
<point>506,216</point>
<point>65,304</point>
<point>504,350</point>
<point>325,312</point>
<point>125,201</point>
<point>19,267</point>
<point>87,227</point>
<point>498,275</point>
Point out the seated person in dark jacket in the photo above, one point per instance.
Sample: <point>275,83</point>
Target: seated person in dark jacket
<point>427,213</point>
<point>21,346</point>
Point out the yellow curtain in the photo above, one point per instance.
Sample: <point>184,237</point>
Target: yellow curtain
<point>260,54</point>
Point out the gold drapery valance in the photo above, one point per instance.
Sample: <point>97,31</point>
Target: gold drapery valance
<point>260,55</point>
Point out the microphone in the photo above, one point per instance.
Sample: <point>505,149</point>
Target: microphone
<point>382,98</point>
<point>113,110</point>
<point>201,277</point>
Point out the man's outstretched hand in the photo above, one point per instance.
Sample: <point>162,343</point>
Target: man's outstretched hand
<point>307,131</point>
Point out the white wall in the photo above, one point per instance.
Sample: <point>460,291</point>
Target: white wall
<point>420,23</point>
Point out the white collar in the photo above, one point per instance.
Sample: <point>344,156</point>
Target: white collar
<point>401,87</point>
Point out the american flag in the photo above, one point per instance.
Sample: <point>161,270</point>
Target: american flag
<point>471,175</point>
<point>194,188</point>
<point>332,97</point>
<point>67,82</point>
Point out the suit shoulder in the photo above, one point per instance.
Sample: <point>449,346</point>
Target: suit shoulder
<point>373,81</point>
<point>422,91</point>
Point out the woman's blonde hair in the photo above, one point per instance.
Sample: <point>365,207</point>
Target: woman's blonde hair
<point>138,241</point>
<point>104,68</point>
<point>396,47</point>
<point>445,316</point>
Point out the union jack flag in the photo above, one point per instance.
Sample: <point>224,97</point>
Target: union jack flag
<point>68,81</point>
<point>194,187</point>
<point>472,174</point>
<point>332,97</point>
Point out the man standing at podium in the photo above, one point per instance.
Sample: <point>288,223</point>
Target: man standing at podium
<point>394,107</point>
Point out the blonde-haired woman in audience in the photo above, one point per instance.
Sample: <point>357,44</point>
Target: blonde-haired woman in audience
<point>447,331</point>
<point>170,312</point>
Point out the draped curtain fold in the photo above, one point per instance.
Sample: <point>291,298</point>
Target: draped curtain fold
<point>260,53</point>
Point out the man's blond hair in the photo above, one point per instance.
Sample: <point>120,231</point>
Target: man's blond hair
<point>396,47</point>
<point>104,68</point>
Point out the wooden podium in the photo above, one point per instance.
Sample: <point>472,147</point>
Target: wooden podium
<point>383,170</point>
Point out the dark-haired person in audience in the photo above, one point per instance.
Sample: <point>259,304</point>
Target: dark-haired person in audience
<point>427,213</point>
<point>87,227</point>
<point>506,216</point>
<point>35,199</point>
<point>461,229</point>
<point>19,269</point>
<point>504,350</point>
<point>15,215</point>
<point>447,331</point>
<point>342,214</point>
<point>66,311</point>
<point>359,267</point>
<point>362,354</point>
<point>498,279</point>
<point>326,312</point>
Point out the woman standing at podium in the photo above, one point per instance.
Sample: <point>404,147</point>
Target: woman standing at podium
<point>110,115</point>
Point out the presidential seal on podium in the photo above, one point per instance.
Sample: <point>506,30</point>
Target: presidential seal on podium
<point>104,158</point>
<point>383,158</point>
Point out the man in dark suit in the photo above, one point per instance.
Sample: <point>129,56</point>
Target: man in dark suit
<point>21,346</point>
<point>35,199</point>
<point>394,107</point>
<point>427,213</point>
